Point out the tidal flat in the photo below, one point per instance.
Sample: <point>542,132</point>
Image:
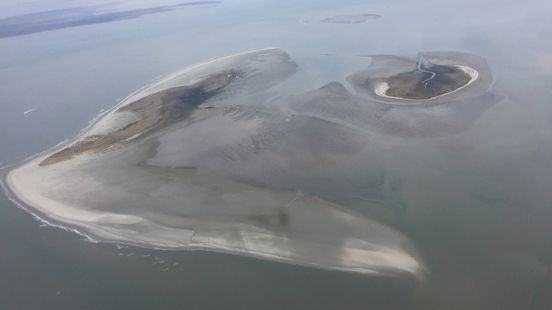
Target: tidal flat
<point>160,178</point>
<point>185,167</point>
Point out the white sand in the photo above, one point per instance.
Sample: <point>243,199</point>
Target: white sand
<point>110,124</point>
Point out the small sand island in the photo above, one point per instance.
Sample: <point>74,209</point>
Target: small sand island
<point>432,95</point>
<point>350,19</point>
<point>431,77</point>
<point>427,81</point>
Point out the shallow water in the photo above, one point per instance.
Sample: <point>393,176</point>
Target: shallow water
<point>476,204</point>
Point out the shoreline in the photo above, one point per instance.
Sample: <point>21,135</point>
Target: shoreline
<point>15,198</point>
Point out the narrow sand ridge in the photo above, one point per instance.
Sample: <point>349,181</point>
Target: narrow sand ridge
<point>134,178</point>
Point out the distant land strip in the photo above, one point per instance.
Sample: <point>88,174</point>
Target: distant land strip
<point>79,16</point>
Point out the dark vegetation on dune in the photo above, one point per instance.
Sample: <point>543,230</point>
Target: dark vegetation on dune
<point>412,85</point>
<point>155,111</point>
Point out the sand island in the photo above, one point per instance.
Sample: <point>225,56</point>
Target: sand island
<point>427,82</point>
<point>429,78</point>
<point>350,19</point>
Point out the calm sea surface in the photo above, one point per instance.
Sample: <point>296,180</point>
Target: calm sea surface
<point>477,205</point>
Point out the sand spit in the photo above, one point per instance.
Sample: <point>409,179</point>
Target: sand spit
<point>104,184</point>
<point>285,237</point>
